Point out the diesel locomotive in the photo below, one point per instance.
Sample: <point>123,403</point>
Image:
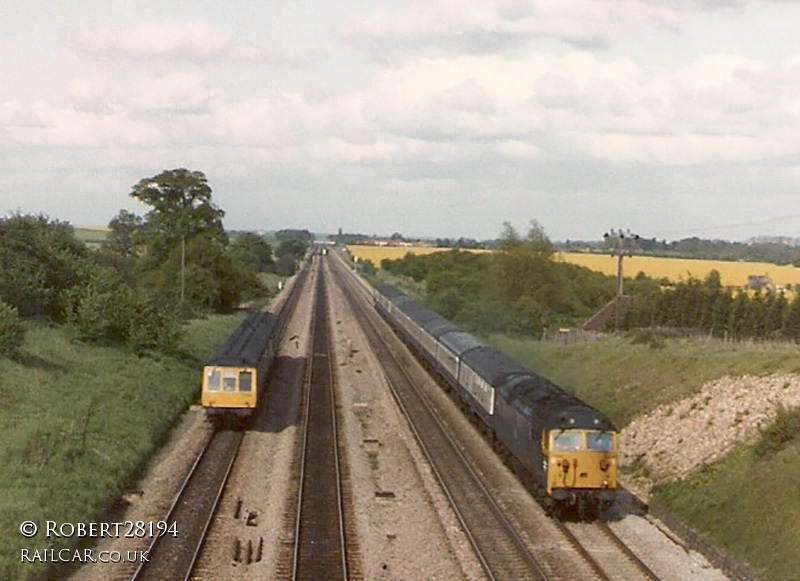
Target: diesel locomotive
<point>568,447</point>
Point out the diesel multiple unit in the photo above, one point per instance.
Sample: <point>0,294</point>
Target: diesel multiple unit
<point>231,378</point>
<point>567,446</point>
<point>234,377</point>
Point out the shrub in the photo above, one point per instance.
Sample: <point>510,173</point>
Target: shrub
<point>100,311</point>
<point>155,326</point>
<point>783,430</point>
<point>12,333</point>
<point>41,259</point>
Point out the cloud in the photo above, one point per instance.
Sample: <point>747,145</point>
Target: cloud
<point>481,27</point>
<point>472,27</point>
<point>721,108</point>
<point>178,92</point>
<point>197,42</point>
<point>462,117</point>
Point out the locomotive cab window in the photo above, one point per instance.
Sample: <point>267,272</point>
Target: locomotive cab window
<point>213,379</point>
<point>245,381</point>
<point>567,441</point>
<point>599,441</point>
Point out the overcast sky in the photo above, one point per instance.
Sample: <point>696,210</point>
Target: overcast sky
<point>673,118</point>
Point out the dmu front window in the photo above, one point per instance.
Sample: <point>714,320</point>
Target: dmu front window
<point>229,380</point>
<point>213,379</point>
<point>245,381</point>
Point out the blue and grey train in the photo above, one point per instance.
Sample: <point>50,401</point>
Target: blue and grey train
<point>568,447</point>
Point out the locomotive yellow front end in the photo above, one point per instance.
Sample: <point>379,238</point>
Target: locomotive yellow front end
<point>229,390</point>
<point>581,466</point>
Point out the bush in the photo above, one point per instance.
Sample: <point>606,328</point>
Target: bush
<point>654,338</point>
<point>783,430</point>
<point>100,311</point>
<point>12,332</point>
<point>155,326</point>
<point>41,259</point>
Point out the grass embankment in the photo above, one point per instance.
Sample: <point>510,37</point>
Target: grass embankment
<point>78,422</point>
<point>749,502</point>
<point>626,379</point>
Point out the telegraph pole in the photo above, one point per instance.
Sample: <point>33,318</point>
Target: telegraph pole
<point>183,268</point>
<point>621,237</point>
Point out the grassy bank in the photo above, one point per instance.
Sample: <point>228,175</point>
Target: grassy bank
<point>78,421</point>
<point>628,377</point>
<point>748,502</point>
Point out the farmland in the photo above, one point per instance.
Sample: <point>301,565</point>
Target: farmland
<point>91,236</point>
<point>674,269</point>
<point>377,253</point>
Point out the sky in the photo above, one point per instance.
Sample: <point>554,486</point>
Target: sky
<point>670,118</point>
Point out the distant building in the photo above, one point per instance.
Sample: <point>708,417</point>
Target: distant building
<point>760,282</point>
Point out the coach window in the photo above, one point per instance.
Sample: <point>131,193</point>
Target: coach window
<point>229,381</point>
<point>245,380</point>
<point>212,382</point>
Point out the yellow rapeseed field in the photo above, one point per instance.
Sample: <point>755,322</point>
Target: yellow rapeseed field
<point>677,269</point>
<point>378,253</point>
<point>674,269</point>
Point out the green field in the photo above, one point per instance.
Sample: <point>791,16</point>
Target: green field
<point>748,502</point>
<point>78,421</point>
<point>91,236</point>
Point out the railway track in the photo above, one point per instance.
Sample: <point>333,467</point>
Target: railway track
<point>323,540</point>
<point>502,552</point>
<point>173,556</point>
<point>610,557</point>
<point>597,553</point>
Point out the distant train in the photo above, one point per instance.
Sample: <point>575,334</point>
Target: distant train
<point>567,446</point>
<point>231,378</point>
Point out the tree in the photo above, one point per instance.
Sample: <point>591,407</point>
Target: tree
<point>120,249</point>
<point>253,252</point>
<point>12,333</point>
<point>292,246</point>
<point>124,229</point>
<point>791,324</point>
<point>41,260</point>
<point>182,209</point>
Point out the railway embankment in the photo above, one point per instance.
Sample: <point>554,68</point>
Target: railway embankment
<point>707,433</point>
<point>78,423</point>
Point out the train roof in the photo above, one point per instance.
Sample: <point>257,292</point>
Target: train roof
<point>549,406</point>
<point>459,342</point>
<point>246,344</point>
<point>492,365</point>
<point>522,389</point>
<point>431,321</point>
<point>439,326</point>
<point>395,296</point>
<point>388,290</point>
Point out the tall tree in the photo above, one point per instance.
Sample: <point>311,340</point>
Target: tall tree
<point>182,208</point>
<point>124,229</point>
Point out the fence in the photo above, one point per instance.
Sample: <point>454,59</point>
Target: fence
<point>568,336</point>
